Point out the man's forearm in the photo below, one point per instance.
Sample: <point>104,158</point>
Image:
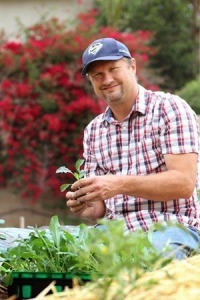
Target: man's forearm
<point>177,182</point>
<point>159,187</point>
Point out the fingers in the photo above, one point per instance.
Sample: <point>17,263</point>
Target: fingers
<point>86,197</point>
<point>76,207</point>
<point>83,190</point>
<point>81,183</point>
<point>75,204</point>
<point>75,197</point>
<point>70,195</point>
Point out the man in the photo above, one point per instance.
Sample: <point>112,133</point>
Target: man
<point>141,154</point>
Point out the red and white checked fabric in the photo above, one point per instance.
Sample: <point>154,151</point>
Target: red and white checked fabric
<point>158,123</point>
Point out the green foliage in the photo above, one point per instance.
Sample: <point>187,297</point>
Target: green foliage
<point>112,12</point>
<point>191,93</point>
<point>173,28</point>
<point>87,250</point>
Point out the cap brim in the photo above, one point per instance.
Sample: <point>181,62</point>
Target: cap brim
<point>103,58</point>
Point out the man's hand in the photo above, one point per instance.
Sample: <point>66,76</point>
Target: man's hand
<point>91,210</point>
<point>79,208</point>
<point>97,188</point>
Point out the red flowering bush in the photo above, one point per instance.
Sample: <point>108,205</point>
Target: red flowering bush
<point>45,104</point>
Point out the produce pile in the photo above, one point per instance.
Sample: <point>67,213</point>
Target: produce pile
<point>178,281</point>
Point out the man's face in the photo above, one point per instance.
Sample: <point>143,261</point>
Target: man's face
<point>113,81</point>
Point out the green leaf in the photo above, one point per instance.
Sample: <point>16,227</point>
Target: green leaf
<point>81,173</point>
<point>78,164</point>
<point>63,169</point>
<point>64,186</point>
<point>55,230</point>
<point>76,175</point>
<point>8,279</point>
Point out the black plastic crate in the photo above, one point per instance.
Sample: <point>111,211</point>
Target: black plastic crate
<point>27,285</point>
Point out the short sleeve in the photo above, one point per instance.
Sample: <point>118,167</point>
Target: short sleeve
<point>179,130</point>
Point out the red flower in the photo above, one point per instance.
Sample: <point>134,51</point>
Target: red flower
<point>23,89</point>
<point>45,103</point>
<point>15,47</point>
<point>53,123</point>
<point>6,84</point>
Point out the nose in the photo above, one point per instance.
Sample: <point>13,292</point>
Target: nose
<point>107,78</point>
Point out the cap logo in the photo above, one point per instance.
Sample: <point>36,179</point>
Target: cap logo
<point>94,48</point>
<point>124,51</point>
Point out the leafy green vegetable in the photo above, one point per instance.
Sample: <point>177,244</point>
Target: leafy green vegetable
<point>87,250</point>
<point>78,174</point>
<point>110,253</point>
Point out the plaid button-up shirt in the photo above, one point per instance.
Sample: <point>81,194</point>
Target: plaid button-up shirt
<point>158,124</point>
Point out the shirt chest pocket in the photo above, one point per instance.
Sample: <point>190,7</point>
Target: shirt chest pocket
<point>108,158</point>
<point>148,156</point>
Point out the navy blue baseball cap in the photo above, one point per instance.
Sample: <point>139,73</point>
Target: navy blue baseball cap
<point>103,49</point>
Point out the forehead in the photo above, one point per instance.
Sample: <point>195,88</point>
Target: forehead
<point>103,64</point>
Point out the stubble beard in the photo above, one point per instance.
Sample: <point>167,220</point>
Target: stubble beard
<point>114,97</point>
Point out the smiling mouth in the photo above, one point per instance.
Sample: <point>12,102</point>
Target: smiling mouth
<point>110,87</point>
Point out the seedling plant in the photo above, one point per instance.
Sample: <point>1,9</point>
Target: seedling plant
<point>78,174</point>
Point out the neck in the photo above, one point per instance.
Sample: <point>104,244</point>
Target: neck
<point>122,110</point>
<point>120,114</point>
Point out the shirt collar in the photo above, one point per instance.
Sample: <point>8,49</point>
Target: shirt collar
<point>140,104</point>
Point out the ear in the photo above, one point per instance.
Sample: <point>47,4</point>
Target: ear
<point>88,77</point>
<point>133,64</point>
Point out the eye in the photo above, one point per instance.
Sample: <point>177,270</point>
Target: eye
<point>113,69</point>
<point>96,76</point>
